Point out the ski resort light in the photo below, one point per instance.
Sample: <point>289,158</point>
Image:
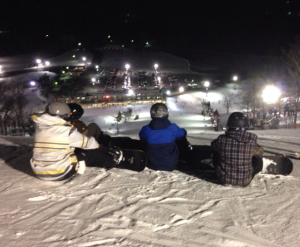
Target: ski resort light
<point>206,84</point>
<point>47,63</point>
<point>93,79</point>
<point>168,92</point>
<point>155,66</point>
<point>130,92</point>
<point>83,58</point>
<point>235,78</point>
<point>32,83</point>
<point>127,66</point>
<point>97,66</point>
<point>38,61</point>
<point>271,94</point>
<point>181,89</point>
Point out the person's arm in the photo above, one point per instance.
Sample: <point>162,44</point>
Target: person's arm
<point>78,140</point>
<point>180,132</point>
<point>214,145</point>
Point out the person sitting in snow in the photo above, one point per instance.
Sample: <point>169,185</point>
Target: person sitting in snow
<point>58,146</point>
<point>93,130</point>
<point>163,141</point>
<point>234,152</point>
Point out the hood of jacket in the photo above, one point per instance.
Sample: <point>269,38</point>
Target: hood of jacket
<point>43,119</point>
<point>241,136</point>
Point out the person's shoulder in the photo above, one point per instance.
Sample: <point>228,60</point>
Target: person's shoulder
<point>144,128</point>
<point>252,135</point>
<point>174,125</point>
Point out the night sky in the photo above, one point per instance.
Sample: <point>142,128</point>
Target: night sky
<point>241,26</point>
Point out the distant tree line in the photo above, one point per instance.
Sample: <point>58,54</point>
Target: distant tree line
<point>13,106</point>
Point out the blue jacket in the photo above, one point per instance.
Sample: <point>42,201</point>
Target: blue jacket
<point>159,140</point>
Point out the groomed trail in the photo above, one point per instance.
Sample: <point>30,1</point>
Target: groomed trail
<point>152,208</point>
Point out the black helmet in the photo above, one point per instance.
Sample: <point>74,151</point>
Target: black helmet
<point>237,120</point>
<point>76,111</point>
<point>159,110</point>
<point>60,109</point>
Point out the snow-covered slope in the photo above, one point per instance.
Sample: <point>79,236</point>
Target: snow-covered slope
<point>151,208</point>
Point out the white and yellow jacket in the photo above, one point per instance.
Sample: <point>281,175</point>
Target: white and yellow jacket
<point>54,145</point>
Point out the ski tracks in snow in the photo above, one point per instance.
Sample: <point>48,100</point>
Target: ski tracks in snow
<point>151,208</point>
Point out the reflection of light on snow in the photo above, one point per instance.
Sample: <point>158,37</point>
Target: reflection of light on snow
<point>211,96</point>
<point>109,120</point>
<point>172,106</point>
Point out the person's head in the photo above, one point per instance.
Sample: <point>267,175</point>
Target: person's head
<point>76,111</point>
<point>159,110</point>
<point>60,109</point>
<point>237,121</point>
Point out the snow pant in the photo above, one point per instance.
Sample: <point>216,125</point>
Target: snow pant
<point>98,157</point>
<point>93,157</point>
<point>106,140</point>
<point>184,148</point>
<point>68,175</point>
<point>204,152</point>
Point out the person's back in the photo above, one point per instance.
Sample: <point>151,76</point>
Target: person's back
<point>159,138</point>
<point>55,142</point>
<point>234,151</point>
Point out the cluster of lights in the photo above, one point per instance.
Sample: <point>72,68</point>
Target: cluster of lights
<point>41,64</point>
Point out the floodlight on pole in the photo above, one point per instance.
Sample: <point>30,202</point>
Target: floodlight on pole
<point>38,61</point>
<point>93,79</point>
<point>271,94</point>
<point>83,58</point>
<point>130,92</point>
<point>206,84</point>
<point>127,66</point>
<point>47,63</point>
<point>235,78</point>
<point>155,66</point>
<point>181,89</point>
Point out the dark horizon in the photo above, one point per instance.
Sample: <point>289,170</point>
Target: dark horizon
<point>260,27</point>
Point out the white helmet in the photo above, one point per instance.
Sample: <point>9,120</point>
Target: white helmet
<point>58,109</point>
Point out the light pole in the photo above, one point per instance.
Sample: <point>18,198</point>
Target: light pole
<point>84,61</point>
<point>235,78</point>
<point>271,95</point>
<point>39,62</point>
<point>206,85</point>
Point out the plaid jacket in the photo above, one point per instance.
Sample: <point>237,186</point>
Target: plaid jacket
<point>235,149</point>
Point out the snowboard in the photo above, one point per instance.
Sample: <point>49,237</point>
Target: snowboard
<point>201,158</point>
<point>276,165</point>
<point>292,155</point>
<point>135,160</point>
